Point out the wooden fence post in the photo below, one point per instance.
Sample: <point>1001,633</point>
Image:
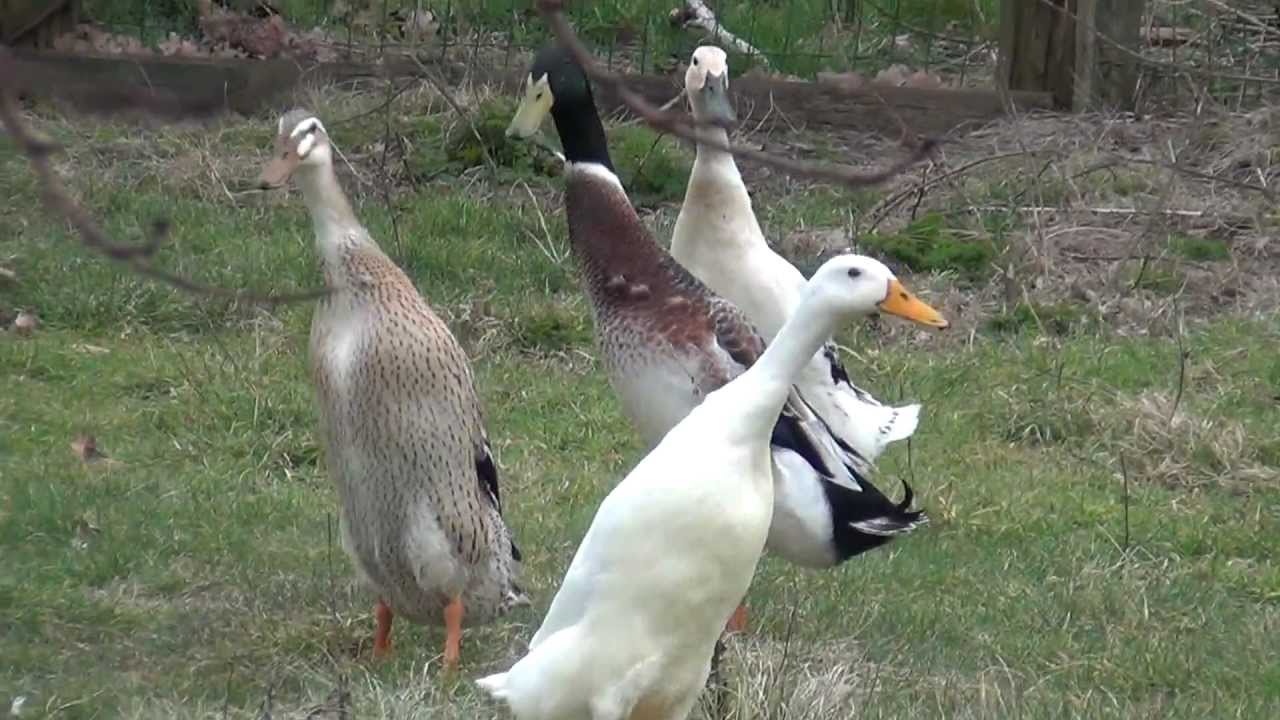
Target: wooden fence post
<point>1107,54</point>
<point>1083,52</point>
<point>36,23</point>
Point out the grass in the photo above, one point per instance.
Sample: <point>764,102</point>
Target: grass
<point>1102,544</point>
<point>797,36</point>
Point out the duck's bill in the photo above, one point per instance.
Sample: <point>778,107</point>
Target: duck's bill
<point>904,304</point>
<point>278,169</point>
<point>716,104</point>
<point>533,109</point>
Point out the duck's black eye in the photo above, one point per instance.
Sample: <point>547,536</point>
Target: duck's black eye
<point>854,272</point>
<point>695,61</point>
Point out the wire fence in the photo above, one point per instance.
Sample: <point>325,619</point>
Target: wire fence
<point>796,37</point>
<point>1220,51</point>
<point>1192,51</point>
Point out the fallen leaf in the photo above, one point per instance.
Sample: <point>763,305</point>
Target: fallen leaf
<point>25,323</point>
<point>894,75</point>
<point>924,80</point>
<point>844,81</point>
<point>85,447</point>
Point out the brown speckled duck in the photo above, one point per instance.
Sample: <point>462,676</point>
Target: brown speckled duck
<point>401,423</point>
<point>667,340</point>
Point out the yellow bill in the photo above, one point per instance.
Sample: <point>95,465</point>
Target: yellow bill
<point>899,301</point>
<point>533,109</point>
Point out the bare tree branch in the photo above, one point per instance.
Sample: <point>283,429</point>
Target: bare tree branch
<point>58,201</point>
<point>553,12</point>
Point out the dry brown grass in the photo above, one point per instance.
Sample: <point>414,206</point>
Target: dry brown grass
<point>1178,448</point>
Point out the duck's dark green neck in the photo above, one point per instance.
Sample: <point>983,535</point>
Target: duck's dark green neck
<point>581,132</point>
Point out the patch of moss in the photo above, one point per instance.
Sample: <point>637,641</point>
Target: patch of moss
<point>1056,319</point>
<point>929,245</point>
<point>466,147</point>
<point>463,145</point>
<point>1158,276</point>
<point>1203,249</point>
<point>1128,184</point>
<point>654,169</point>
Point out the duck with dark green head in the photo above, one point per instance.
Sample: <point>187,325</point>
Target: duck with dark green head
<point>558,85</point>
<point>667,340</point>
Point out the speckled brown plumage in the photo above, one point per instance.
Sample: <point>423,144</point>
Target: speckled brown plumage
<point>405,439</point>
<point>641,296</point>
<point>400,419</point>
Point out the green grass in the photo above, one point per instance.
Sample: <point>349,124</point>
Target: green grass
<point>1200,248</point>
<point>196,571</point>
<point>797,36</point>
<point>929,244</point>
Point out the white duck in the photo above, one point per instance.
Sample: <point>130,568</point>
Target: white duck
<point>673,547</point>
<point>718,239</point>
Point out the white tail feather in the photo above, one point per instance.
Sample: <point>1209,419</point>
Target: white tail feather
<point>902,426</point>
<point>495,685</point>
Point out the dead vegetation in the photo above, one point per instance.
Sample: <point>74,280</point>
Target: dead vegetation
<point>1179,448</point>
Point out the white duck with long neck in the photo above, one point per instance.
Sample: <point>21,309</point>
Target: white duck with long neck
<point>673,547</point>
<point>718,239</point>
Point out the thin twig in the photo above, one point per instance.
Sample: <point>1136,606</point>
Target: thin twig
<point>1124,474</point>
<point>553,12</point>
<point>1178,168</point>
<point>891,203</point>
<point>1182,369</point>
<point>384,181</point>
<point>56,198</point>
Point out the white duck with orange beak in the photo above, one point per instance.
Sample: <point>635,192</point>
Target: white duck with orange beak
<point>718,239</point>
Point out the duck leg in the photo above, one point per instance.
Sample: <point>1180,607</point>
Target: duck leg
<point>737,621</point>
<point>452,631</point>
<point>382,637</point>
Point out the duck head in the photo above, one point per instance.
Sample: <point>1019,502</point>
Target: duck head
<point>706,84</point>
<point>556,85</point>
<point>859,285</point>
<point>301,142</point>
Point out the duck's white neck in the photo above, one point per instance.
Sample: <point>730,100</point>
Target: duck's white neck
<point>801,336</point>
<point>335,222</point>
<point>716,184</point>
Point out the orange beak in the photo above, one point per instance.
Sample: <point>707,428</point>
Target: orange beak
<point>899,301</point>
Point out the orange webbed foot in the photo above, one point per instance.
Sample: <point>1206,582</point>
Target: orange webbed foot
<point>452,633</point>
<point>382,636</point>
<point>737,621</point>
